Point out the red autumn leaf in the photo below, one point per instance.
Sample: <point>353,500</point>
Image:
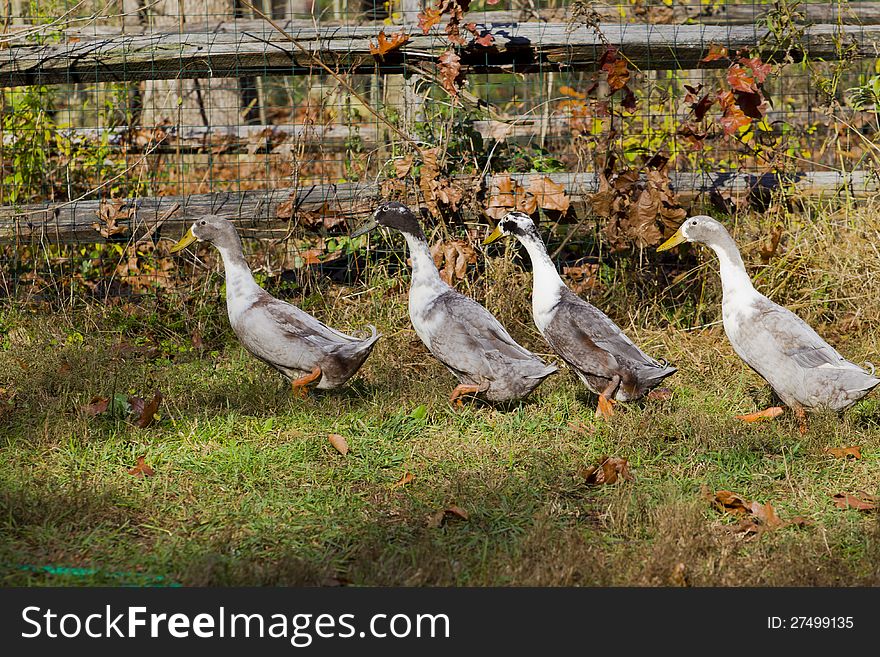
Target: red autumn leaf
<point>702,106</point>
<point>145,413</point>
<point>141,470</point>
<point>716,51</point>
<point>759,69</point>
<point>740,79</point>
<point>450,69</point>
<point>751,104</point>
<point>487,40</point>
<point>386,45</point>
<point>734,118</point>
<point>428,19</point>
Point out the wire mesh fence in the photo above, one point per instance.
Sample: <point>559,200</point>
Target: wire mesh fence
<point>122,121</point>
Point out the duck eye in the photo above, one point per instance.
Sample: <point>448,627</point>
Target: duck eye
<point>203,222</point>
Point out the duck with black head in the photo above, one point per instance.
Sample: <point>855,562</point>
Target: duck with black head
<point>603,357</point>
<point>803,370</point>
<point>303,349</point>
<point>457,330</point>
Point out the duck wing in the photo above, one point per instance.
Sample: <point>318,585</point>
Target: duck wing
<point>295,321</point>
<point>587,339</point>
<point>472,341</point>
<point>777,329</point>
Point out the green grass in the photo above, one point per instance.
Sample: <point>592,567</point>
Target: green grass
<point>248,491</point>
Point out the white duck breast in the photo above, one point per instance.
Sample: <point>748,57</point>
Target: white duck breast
<point>803,369</point>
<point>458,331</point>
<point>276,332</point>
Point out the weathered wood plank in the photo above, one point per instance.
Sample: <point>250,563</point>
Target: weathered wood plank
<point>823,11</point>
<point>522,47</point>
<point>258,210</point>
<point>263,138</point>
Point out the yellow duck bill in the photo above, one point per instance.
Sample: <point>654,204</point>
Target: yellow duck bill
<point>675,240</point>
<point>494,235</point>
<point>184,242</point>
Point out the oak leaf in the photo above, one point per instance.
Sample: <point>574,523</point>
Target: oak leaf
<point>716,52</point>
<point>450,71</point>
<point>848,501</point>
<point>550,195</point>
<point>607,471</point>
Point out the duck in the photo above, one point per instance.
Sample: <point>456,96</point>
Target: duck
<point>608,363</point>
<point>465,337</point>
<point>805,372</point>
<point>303,349</point>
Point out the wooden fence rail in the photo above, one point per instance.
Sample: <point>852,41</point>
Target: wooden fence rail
<point>258,210</point>
<point>521,47</point>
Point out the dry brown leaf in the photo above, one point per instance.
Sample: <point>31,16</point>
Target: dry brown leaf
<point>339,443</point>
<point>449,66</point>
<point>141,470</point>
<point>402,166</point>
<point>854,451</point>
<point>660,394</point>
<point>510,195</point>
<point>769,249</point>
<point>109,214</point>
<point>145,413</point>
<point>385,44</point>
<point>848,501</point>
<point>428,19</point>
<point>404,480</point>
<point>550,195</point>
<point>607,471</point>
<point>97,406</point>
<point>437,518</point>
<point>756,517</point>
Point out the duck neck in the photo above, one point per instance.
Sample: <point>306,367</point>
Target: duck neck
<point>239,279</point>
<point>734,277</point>
<point>546,281</point>
<point>424,271</point>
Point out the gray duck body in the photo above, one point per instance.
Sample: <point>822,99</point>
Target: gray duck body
<point>457,330</point>
<point>583,336</point>
<point>278,333</point>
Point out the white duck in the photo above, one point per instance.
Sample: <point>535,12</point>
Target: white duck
<point>804,371</point>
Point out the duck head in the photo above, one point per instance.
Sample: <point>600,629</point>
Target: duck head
<point>392,215</point>
<point>518,224</point>
<point>211,228</point>
<point>700,229</point>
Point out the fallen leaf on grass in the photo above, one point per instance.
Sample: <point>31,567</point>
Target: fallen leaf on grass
<point>437,518</point>
<point>607,471</point>
<point>404,480</point>
<point>756,517</point>
<point>97,406</point>
<point>339,443</point>
<point>141,470</point>
<point>845,452</point>
<point>145,413</point>
<point>847,501</point>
